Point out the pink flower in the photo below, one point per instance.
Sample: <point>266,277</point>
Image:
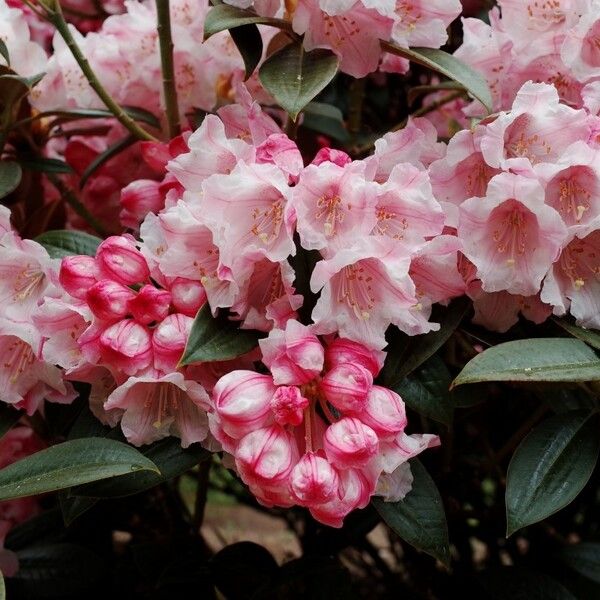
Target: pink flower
<point>168,341</point>
<point>347,387</point>
<point>109,300</point>
<point>511,235</point>
<point>282,152</point>
<point>294,355</point>
<point>150,304</point>
<point>138,199</point>
<point>580,51</point>
<point>350,443</point>
<point>118,259</point>
<point>313,480</point>
<point>158,406</point>
<point>126,346</point>
<point>242,399</point>
<point>333,203</point>
<point>337,157</point>
<point>78,274</point>
<point>384,412</point>
<point>288,405</point>
<point>342,351</point>
<point>393,487</point>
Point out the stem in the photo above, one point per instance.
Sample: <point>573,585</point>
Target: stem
<point>168,69</point>
<point>308,429</point>
<point>58,20</point>
<point>357,96</point>
<point>201,491</point>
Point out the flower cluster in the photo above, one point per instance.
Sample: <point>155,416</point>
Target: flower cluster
<point>316,432</point>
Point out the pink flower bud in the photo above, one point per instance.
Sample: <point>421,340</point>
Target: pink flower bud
<point>338,157</point>
<point>313,480</point>
<point>150,304</point>
<point>384,412</point>
<point>342,351</point>
<point>108,300</point>
<point>350,443</point>
<point>119,260</point>
<point>138,199</point>
<point>169,340</point>
<point>266,456</point>
<point>288,405</point>
<point>78,274</point>
<point>347,386</point>
<point>187,296</point>
<point>243,402</point>
<point>127,346</point>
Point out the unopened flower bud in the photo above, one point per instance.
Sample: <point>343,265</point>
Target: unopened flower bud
<point>127,346</point>
<point>313,480</point>
<point>187,296</point>
<point>138,199</point>
<point>342,351</point>
<point>384,411</point>
<point>108,300</point>
<point>288,405</point>
<point>150,304</point>
<point>120,260</point>
<point>347,387</point>
<point>78,274</point>
<point>350,443</point>
<point>169,340</point>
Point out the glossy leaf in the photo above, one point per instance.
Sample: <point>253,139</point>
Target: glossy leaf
<point>589,336</point>
<point>217,339</point>
<point>544,359</point>
<point>419,519</point>
<point>550,467</point>
<point>583,558</point>
<point>294,76</point>
<point>326,119</point>
<point>248,40</point>
<point>65,242</point>
<point>71,463</point>
<point>10,177</point>
<point>450,66</point>
<point>47,165</point>
<point>224,16</point>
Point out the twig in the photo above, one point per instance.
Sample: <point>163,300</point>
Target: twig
<point>201,491</point>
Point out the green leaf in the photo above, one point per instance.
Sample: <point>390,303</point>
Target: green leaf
<point>407,353</point>
<point>47,165</point>
<point>217,339</point>
<point>446,64</point>
<point>171,459</point>
<point>64,242</point>
<point>13,89</point>
<point>72,114</point>
<point>72,507</point>
<point>327,119</point>
<point>223,16</point>
<point>68,464</point>
<point>544,359</point>
<point>294,77</point>
<point>8,417</point>
<point>550,467</point>
<point>590,337</point>
<point>426,390</point>
<point>4,53</point>
<point>583,558</point>
<point>419,519</point>
<point>10,177</point>
<point>104,157</point>
<point>248,40</point>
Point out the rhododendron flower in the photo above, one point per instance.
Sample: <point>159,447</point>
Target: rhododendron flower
<point>511,235</point>
<point>580,51</point>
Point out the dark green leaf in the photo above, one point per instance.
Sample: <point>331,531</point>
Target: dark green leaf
<point>223,16</point>
<point>589,336</point>
<point>47,165</point>
<point>426,390</point>
<point>171,459</point>
<point>544,359</point>
<point>406,353</point>
<point>8,417</point>
<point>71,463</point>
<point>584,558</point>
<point>303,263</point>
<point>327,119</point>
<point>447,65</point>
<point>4,53</point>
<point>419,519</point>
<point>104,157</point>
<point>10,177</point>
<point>216,339</point>
<point>13,89</point>
<point>60,243</point>
<point>72,114</point>
<point>294,77</point>
<point>550,467</point>
<point>72,507</point>
<point>248,40</point>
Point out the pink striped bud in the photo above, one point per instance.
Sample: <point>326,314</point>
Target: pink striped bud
<point>119,260</point>
<point>267,456</point>
<point>243,402</point>
<point>313,480</point>
<point>127,346</point>
<point>138,199</point>
<point>187,296</point>
<point>108,300</point>
<point>384,412</point>
<point>78,274</point>
<point>342,351</point>
<point>288,405</point>
<point>169,340</point>
<point>347,387</point>
<point>150,304</point>
<point>350,443</point>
